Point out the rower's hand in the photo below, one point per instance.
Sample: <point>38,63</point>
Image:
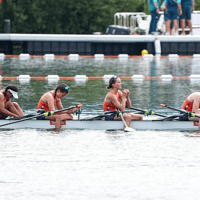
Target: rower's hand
<point>14,115</point>
<point>180,12</point>
<point>76,109</point>
<point>127,93</point>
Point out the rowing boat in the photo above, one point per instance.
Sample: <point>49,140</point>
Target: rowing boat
<point>102,125</point>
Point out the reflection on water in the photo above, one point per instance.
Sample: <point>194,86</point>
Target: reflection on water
<point>144,94</point>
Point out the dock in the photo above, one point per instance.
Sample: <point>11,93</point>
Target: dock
<point>58,44</point>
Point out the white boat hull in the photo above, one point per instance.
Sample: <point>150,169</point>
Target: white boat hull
<point>103,125</point>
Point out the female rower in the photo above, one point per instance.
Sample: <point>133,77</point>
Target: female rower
<point>111,101</point>
<point>8,108</point>
<point>53,98</point>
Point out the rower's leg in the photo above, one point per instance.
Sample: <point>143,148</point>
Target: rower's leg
<point>127,119</point>
<point>135,117</point>
<point>12,107</point>
<point>19,110</point>
<point>59,118</point>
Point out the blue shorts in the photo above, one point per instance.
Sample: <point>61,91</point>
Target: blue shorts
<point>166,17</point>
<point>110,117</point>
<point>187,10</point>
<point>172,14</point>
<point>183,118</point>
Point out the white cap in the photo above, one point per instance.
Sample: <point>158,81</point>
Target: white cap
<point>15,94</point>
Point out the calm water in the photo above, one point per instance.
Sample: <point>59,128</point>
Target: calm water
<point>144,165</point>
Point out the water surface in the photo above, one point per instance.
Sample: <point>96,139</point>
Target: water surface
<point>88,164</point>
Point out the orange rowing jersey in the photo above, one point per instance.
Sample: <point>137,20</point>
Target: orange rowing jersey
<point>6,99</point>
<point>187,105</point>
<point>110,106</point>
<point>44,106</point>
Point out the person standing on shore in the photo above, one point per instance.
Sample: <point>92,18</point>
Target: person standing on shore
<point>166,17</point>
<point>188,8</point>
<point>172,8</point>
<point>154,7</point>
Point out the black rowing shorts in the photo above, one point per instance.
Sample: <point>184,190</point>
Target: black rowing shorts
<point>183,118</point>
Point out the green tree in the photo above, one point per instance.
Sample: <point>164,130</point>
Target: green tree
<point>64,16</point>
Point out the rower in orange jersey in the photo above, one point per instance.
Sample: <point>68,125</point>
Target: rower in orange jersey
<point>53,98</point>
<point>8,108</point>
<point>192,104</point>
<point>113,98</point>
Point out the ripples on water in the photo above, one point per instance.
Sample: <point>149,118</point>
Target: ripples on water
<point>72,164</point>
<point>99,165</point>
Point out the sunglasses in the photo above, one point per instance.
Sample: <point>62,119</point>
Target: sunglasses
<point>114,77</point>
<point>66,88</point>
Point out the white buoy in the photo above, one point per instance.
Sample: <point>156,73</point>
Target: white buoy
<point>107,78</point>
<point>80,79</point>
<point>73,57</point>
<point>194,79</point>
<point>194,76</point>
<point>168,77</point>
<point>24,78</point>
<point>138,77</point>
<point>123,57</point>
<point>2,56</point>
<point>49,57</point>
<point>52,78</point>
<point>24,56</point>
<point>99,56</point>
<point>148,57</point>
<point>173,56</point>
<point>196,55</point>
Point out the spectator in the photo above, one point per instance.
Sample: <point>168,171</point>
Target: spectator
<point>172,11</point>
<point>166,17</point>
<point>154,6</point>
<point>187,7</point>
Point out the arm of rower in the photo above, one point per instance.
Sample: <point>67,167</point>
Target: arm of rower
<point>50,102</point>
<point>195,107</point>
<point>60,107</point>
<point>5,111</point>
<point>128,101</point>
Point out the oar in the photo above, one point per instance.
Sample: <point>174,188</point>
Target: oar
<point>181,111</point>
<point>127,129</point>
<point>45,114</point>
<point>148,112</point>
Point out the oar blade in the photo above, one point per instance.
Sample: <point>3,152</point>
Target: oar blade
<point>129,129</point>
